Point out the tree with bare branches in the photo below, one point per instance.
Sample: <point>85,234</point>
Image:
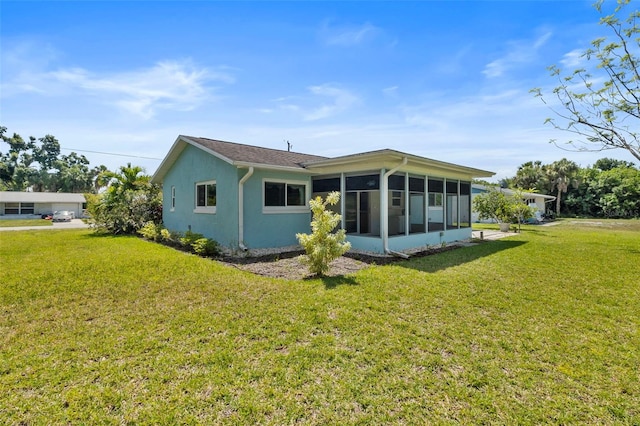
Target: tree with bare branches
<point>600,103</point>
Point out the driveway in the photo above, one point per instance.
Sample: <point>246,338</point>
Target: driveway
<point>74,224</point>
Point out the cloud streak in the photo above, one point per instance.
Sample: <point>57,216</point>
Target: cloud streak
<point>347,36</point>
<point>342,100</point>
<point>167,85</point>
<point>520,52</point>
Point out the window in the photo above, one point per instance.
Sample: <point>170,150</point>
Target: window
<point>416,205</point>
<point>12,208</point>
<point>205,197</point>
<point>435,199</point>
<point>362,205</point>
<point>435,213</point>
<point>465,204</point>
<point>453,217</point>
<point>26,208</point>
<point>285,197</point>
<point>173,198</point>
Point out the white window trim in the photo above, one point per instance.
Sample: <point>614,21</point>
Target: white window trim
<point>286,209</point>
<point>204,210</point>
<point>173,199</point>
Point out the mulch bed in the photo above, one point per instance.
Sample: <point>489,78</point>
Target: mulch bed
<point>289,265</point>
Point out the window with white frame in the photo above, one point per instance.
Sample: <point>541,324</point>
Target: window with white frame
<point>173,198</point>
<point>284,196</point>
<point>205,197</point>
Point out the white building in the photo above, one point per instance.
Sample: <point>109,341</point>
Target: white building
<point>14,204</point>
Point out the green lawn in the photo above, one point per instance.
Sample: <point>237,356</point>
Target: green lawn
<point>4,223</point>
<point>543,327</point>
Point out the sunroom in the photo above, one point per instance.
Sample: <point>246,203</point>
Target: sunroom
<point>392,201</point>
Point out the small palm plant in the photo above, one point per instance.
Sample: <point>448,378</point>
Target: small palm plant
<point>322,246</point>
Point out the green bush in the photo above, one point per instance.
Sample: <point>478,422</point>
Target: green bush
<point>189,238</point>
<point>152,231</point>
<point>322,246</point>
<point>206,247</point>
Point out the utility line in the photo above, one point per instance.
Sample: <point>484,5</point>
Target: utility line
<point>111,153</point>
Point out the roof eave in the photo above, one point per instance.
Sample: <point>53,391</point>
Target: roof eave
<point>247,164</point>
<point>388,154</point>
<point>176,149</point>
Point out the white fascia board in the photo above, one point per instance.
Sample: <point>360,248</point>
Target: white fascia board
<point>392,155</point>
<point>246,165</point>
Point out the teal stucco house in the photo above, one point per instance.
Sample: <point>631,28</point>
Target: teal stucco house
<point>249,197</point>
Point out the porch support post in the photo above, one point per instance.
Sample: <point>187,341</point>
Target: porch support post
<point>343,204</point>
<point>384,206</point>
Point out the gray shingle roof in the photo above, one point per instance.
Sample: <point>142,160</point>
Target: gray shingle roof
<point>237,152</point>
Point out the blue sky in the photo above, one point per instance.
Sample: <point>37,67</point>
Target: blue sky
<point>447,80</point>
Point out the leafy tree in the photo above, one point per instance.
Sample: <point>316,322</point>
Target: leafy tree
<point>601,103</point>
<point>561,174</point>
<point>37,164</point>
<point>493,204</point>
<point>532,175</point>
<point>323,245</point>
<point>129,203</point>
<point>611,163</point>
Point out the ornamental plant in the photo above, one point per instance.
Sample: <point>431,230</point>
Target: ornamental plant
<point>495,205</point>
<point>323,245</point>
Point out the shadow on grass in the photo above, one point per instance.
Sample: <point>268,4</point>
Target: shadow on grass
<point>458,256</point>
<point>333,282</point>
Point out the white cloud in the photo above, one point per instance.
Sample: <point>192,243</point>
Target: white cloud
<point>170,85</point>
<point>573,59</point>
<point>167,85</point>
<point>391,91</point>
<point>346,36</point>
<point>520,52</point>
<point>342,100</point>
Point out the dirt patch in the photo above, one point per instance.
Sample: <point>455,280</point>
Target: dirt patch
<point>290,266</point>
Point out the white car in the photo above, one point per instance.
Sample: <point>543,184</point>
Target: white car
<point>62,216</point>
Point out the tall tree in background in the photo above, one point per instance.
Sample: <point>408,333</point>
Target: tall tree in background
<point>37,165</point>
<point>601,102</point>
<point>561,175</point>
<point>531,175</point>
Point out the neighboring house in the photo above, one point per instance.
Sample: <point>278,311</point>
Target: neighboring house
<point>250,197</point>
<point>14,204</point>
<point>534,200</point>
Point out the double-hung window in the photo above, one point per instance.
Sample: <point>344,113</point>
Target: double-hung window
<point>205,197</point>
<point>285,196</point>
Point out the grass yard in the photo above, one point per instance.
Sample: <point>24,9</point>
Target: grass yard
<point>6,223</point>
<point>543,327</point>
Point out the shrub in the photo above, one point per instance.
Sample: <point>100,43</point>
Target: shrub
<point>152,231</point>
<point>189,238</point>
<point>206,247</point>
<point>322,246</point>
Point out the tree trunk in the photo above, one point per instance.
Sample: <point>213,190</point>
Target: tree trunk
<point>558,201</point>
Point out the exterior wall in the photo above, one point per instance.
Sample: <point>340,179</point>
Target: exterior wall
<point>261,230</point>
<point>267,230</point>
<point>45,208</point>
<point>192,166</point>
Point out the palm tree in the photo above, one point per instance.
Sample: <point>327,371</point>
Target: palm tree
<point>562,174</point>
<point>127,178</point>
<point>531,175</point>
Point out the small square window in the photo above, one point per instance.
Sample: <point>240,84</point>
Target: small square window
<point>206,197</point>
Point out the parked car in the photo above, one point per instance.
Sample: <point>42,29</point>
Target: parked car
<point>63,216</point>
<point>47,216</point>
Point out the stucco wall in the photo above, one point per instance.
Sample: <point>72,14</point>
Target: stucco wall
<point>264,230</point>
<point>193,165</point>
